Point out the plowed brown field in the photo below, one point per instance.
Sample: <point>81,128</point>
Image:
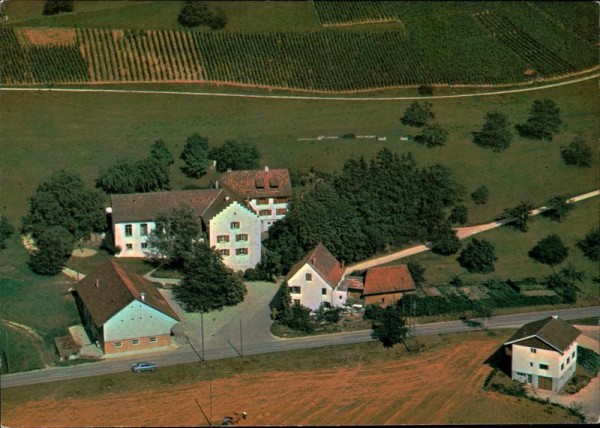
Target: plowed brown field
<point>442,386</point>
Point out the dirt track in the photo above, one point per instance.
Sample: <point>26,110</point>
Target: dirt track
<point>442,386</point>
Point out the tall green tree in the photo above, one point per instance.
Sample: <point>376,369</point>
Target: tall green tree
<point>417,272</point>
<point>417,114</point>
<point>459,214</point>
<point>495,133</point>
<point>550,251</point>
<point>172,241</point>
<point>161,152</point>
<point>480,195</point>
<point>478,256</point>
<point>235,156</point>
<point>543,122</point>
<point>207,283</point>
<point>590,245</point>
<point>54,247</point>
<point>6,230</point>
<point>577,153</point>
<point>194,13</point>
<point>446,243</point>
<point>558,208</point>
<point>518,216</point>
<point>195,155</point>
<point>52,7</point>
<point>153,175</point>
<point>125,176</point>
<point>432,135</point>
<point>390,327</point>
<point>63,200</point>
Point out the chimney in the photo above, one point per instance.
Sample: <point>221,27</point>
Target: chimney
<point>216,184</point>
<point>313,261</point>
<point>266,168</point>
<point>555,317</point>
<point>97,283</point>
<point>226,198</point>
<point>143,296</point>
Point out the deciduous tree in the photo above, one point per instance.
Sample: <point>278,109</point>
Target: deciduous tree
<point>161,152</point>
<point>558,208</point>
<point>550,251</point>
<point>459,214</point>
<point>590,245</point>
<point>54,247</point>
<point>480,195</point>
<point>432,136</point>
<point>446,243</point>
<point>518,216</point>
<point>52,7</point>
<point>390,327</point>
<point>6,230</point>
<point>543,122</point>
<point>417,272</point>
<point>577,153</point>
<point>495,133</point>
<point>235,156</point>
<point>195,155</point>
<point>417,114</point>
<point>478,256</point>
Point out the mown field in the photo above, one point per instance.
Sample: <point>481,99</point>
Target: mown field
<point>439,382</point>
<point>453,48</point>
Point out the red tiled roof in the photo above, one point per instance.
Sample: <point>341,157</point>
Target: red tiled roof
<point>388,279</point>
<point>117,287</point>
<point>555,332</point>
<point>258,183</point>
<point>352,283</point>
<point>324,263</point>
<point>146,206</point>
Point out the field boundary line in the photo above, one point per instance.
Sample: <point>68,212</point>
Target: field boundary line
<point>298,97</point>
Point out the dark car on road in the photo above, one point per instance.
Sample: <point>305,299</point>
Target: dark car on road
<point>143,366</point>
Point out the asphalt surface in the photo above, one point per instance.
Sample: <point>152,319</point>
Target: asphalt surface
<point>189,355</point>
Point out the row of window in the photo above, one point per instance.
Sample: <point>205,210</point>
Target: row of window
<point>265,201</point>
<point>238,252</point>
<point>129,247</point>
<point>136,342</point>
<point>238,238</point>
<point>143,229</point>
<point>278,211</point>
<point>298,290</point>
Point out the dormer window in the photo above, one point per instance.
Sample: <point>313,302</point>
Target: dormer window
<point>274,183</point>
<point>260,184</point>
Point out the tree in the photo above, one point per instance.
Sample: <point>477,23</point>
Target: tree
<point>417,114</point>
<point>63,200</point>
<point>174,237</point>
<point>425,90</point>
<point>195,155</point>
<point>483,311</point>
<point>327,314</point>
<point>577,153</point>
<point>480,195</point>
<point>446,243</point>
<point>390,328</point>
<point>52,7</point>
<point>207,284</point>
<point>518,216</point>
<point>495,133</point>
<point>564,282</point>
<point>590,245</point>
<point>417,272</point>
<point>54,247</point>
<point>6,230</point>
<point>217,20</point>
<point>432,135</point>
<point>125,176</point>
<point>478,257</point>
<point>543,122</point>
<point>194,13</point>
<point>153,175</point>
<point>459,214</point>
<point>558,208</point>
<point>235,156</point>
<point>550,251</point>
<point>161,153</point>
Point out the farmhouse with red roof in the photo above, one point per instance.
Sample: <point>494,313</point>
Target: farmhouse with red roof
<point>387,284</point>
<point>123,311</point>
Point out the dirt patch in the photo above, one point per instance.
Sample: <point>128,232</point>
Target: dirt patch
<point>442,386</point>
<point>49,36</point>
<point>83,252</point>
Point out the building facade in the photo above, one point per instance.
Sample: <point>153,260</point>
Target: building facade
<point>544,353</point>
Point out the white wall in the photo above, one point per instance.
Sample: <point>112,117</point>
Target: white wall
<point>250,224</point>
<point>310,291</point>
<point>267,221</point>
<point>137,319</point>
<point>136,240</point>
<point>522,356</point>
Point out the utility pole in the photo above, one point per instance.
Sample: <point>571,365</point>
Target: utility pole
<point>241,340</point>
<point>202,330</point>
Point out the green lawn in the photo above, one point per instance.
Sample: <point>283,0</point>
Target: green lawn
<point>82,132</point>
<point>512,247</point>
<point>42,304</point>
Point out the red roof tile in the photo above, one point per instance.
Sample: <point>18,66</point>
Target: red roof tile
<point>258,183</point>
<point>111,287</point>
<point>324,263</point>
<point>388,279</point>
<point>146,206</point>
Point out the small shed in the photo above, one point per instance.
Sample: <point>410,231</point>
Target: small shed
<point>67,348</point>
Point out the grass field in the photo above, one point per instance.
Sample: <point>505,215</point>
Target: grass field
<point>93,130</point>
<point>360,384</point>
<point>512,246</point>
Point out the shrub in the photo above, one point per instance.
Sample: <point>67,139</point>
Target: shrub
<point>480,195</point>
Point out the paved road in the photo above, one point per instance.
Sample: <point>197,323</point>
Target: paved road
<point>461,233</point>
<point>300,97</point>
<point>187,355</point>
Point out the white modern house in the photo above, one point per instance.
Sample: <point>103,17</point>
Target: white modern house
<point>315,280</point>
<point>233,228</point>
<point>544,353</point>
<point>124,312</point>
<point>266,191</point>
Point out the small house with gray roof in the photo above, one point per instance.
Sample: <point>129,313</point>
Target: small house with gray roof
<point>123,312</point>
<point>544,353</point>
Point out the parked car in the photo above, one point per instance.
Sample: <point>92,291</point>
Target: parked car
<point>143,367</point>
